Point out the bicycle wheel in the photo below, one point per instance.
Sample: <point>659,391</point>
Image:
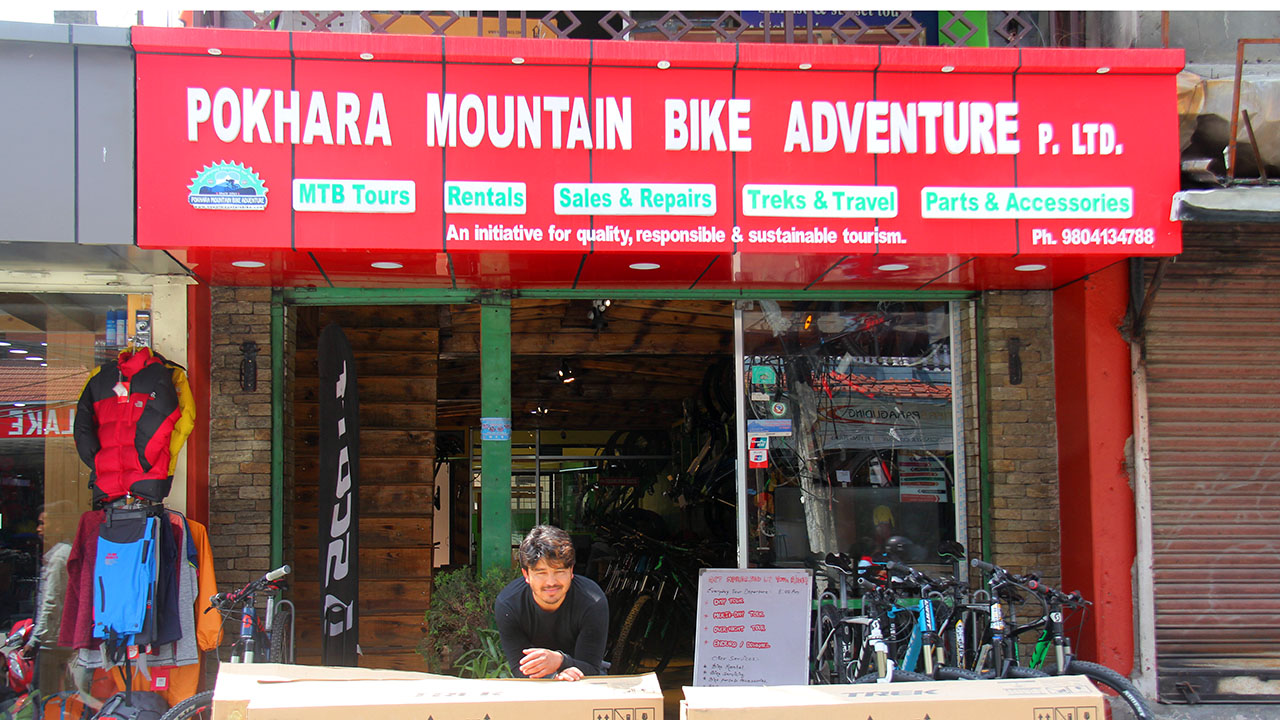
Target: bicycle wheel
<point>898,676</point>
<point>826,648</point>
<point>1017,671</point>
<point>947,672</point>
<point>1113,684</point>
<point>196,707</point>
<point>282,635</point>
<point>626,652</point>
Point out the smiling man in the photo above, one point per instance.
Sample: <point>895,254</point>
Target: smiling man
<point>552,624</point>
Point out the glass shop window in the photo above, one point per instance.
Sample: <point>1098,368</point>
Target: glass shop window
<point>849,430</point>
<point>49,344</point>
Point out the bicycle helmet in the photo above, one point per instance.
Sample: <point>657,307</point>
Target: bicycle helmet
<point>897,548</point>
<point>20,670</point>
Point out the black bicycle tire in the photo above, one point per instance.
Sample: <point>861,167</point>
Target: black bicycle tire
<point>190,707</point>
<point>831,616</point>
<point>281,637</point>
<point>898,676</point>
<point>673,637</point>
<point>719,404</point>
<point>621,664</point>
<point>949,672</point>
<point>1018,671</point>
<point>1104,675</point>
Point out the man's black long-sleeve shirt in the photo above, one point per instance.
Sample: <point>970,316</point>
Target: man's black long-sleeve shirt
<point>577,628</point>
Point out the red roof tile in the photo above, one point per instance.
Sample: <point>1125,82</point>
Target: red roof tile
<point>42,384</point>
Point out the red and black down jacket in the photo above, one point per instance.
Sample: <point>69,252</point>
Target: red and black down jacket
<point>132,419</point>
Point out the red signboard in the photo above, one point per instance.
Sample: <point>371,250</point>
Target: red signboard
<point>314,142</point>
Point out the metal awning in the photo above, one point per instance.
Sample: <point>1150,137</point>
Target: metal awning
<point>1228,205</point>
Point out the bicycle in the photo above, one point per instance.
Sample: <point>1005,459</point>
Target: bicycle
<point>658,624</point>
<point>652,591</point>
<point>1054,638</point>
<point>926,650</point>
<point>261,638</point>
<point>846,646</point>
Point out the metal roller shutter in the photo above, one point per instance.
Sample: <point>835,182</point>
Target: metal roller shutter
<point>1213,341</point>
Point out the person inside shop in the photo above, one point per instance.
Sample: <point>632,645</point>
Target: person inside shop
<point>552,624</point>
<point>51,589</point>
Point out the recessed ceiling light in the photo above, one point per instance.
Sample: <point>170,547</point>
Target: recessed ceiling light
<point>806,66</point>
<point>36,358</point>
<point>1104,70</point>
<point>215,51</point>
<point>386,265</point>
<point>517,61</point>
<point>17,351</point>
<point>19,404</point>
<point>44,364</point>
<point>248,264</point>
<point>664,64</point>
<point>366,56</point>
<point>5,343</point>
<point>644,266</point>
<point>948,68</point>
<point>893,267</point>
<point>1030,267</point>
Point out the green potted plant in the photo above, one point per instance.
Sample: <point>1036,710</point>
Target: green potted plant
<point>462,637</point>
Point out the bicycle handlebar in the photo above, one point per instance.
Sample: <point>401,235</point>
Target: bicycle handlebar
<point>231,599</point>
<point>920,578</point>
<point>1073,598</point>
<point>1031,582</point>
<point>867,585</point>
<point>985,566</point>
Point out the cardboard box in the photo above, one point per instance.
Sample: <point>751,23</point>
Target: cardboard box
<point>238,683</point>
<point>1069,697</point>
<point>278,692</point>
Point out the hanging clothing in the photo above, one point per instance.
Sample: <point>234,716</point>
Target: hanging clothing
<point>174,684</point>
<point>77,629</point>
<point>174,666</point>
<point>132,418</point>
<point>208,624</point>
<point>175,642</point>
<point>168,620</point>
<point>124,579</point>
<point>180,681</point>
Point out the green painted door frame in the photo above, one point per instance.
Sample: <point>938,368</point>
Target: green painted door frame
<point>495,539</point>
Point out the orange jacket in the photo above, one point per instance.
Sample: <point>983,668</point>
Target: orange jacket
<point>208,625</point>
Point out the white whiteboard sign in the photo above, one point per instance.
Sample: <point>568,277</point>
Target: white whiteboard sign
<point>753,627</point>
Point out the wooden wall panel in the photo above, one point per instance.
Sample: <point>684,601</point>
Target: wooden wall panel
<point>397,364</point>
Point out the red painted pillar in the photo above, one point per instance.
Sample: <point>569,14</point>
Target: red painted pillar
<point>1095,420</point>
<point>199,350</point>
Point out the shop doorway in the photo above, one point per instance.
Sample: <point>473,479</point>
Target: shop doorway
<point>623,434</point>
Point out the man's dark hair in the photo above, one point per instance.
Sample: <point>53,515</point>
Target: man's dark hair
<point>546,542</point>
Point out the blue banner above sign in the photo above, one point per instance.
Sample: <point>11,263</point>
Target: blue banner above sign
<point>771,428</point>
<point>495,428</point>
